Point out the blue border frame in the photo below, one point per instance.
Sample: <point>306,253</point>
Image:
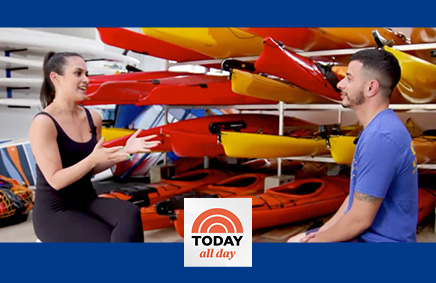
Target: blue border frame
<point>164,262</point>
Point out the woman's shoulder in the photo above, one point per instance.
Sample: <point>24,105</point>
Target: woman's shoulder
<point>96,117</point>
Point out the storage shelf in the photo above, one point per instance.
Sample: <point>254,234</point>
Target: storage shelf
<point>332,106</point>
<point>329,159</point>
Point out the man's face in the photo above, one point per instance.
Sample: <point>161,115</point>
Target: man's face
<point>352,86</point>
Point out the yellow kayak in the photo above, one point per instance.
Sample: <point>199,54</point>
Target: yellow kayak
<point>425,147</point>
<point>342,149</point>
<point>362,37</point>
<point>114,133</point>
<point>214,42</point>
<point>418,78</point>
<point>248,145</point>
<point>423,35</point>
<point>261,87</point>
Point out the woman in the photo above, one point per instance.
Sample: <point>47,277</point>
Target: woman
<point>66,143</point>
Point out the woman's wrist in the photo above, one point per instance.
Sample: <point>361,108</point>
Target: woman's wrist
<point>128,152</point>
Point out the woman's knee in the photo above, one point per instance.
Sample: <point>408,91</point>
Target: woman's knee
<point>129,211</point>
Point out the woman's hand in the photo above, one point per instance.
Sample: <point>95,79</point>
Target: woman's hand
<point>101,154</point>
<point>135,144</point>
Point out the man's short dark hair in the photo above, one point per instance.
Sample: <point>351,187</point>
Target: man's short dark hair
<point>383,63</point>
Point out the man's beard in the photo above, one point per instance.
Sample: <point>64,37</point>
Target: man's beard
<point>360,99</point>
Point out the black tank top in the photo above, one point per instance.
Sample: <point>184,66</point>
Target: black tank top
<point>71,152</point>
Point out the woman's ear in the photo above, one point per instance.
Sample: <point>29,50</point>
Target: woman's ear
<point>54,77</point>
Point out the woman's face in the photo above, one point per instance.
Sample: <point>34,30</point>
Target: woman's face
<point>73,83</point>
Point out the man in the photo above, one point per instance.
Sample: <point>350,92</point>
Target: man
<point>383,202</point>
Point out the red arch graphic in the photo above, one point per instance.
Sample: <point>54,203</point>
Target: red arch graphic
<point>217,220</point>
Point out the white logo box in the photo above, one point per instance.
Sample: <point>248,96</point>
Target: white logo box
<point>217,240</point>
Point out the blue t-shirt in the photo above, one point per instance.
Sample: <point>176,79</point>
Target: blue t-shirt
<point>384,166</point>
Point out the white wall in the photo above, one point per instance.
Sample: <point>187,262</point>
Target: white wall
<point>15,122</point>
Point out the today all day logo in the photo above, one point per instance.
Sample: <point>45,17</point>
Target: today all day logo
<point>217,232</point>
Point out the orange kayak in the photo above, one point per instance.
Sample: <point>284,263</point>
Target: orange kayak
<point>425,147</point>
<point>148,195</point>
<point>160,215</point>
<point>292,202</point>
<point>426,203</point>
<point>179,184</point>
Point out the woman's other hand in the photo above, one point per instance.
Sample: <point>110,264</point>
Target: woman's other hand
<point>114,154</point>
<point>142,144</point>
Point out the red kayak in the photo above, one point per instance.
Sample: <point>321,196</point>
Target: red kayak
<point>199,129</point>
<point>214,93</point>
<point>141,43</point>
<point>193,144</point>
<point>292,202</point>
<point>99,90</point>
<point>95,81</point>
<point>298,70</point>
<point>129,91</point>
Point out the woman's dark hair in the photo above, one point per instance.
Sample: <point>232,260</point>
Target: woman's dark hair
<point>53,62</point>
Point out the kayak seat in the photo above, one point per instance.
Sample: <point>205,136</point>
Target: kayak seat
<point>239,183</point>
<point>329,75</point>
<point>139,194</point>
<point>304,189</point>
<point>168,206</point>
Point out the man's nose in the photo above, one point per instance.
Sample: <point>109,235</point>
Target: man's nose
<point>340,83</point>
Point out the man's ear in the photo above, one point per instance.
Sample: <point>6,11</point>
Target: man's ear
<point>373,87</point>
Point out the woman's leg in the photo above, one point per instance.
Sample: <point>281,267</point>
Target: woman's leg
<point>70,226</point>
<point>123,216</point>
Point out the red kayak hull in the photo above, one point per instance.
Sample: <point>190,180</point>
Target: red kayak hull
<point>199,129</point>
<point>296,69</point>
<point>215,93</point>
<point>141,43</point>
<point>129,88</point>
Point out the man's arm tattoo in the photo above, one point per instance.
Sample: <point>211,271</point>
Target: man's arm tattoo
<point>364,197</point>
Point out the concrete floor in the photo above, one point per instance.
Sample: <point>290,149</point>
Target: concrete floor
<point>23,232</point>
